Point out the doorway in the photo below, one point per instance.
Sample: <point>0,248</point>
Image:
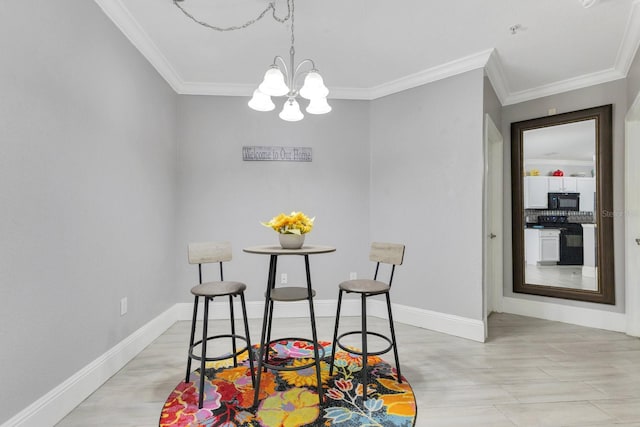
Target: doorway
<point>493,221</point>
<point>632,218</point>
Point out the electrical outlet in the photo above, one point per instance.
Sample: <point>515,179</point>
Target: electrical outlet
<point>353,275</point>
<point>123,306</point>
<point>283,278</point>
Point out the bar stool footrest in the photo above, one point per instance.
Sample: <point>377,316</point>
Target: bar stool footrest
<point>359,352</point>
<point>223,357</point>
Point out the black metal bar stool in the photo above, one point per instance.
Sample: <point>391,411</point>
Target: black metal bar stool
<point>214,252</point>
<point>380,253</point>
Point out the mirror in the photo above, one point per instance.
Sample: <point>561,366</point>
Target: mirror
<point>562,206</point>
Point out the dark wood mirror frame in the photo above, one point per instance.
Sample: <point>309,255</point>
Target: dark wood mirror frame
<point>605,292</point>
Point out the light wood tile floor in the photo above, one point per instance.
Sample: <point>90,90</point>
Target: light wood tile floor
<point>564,276</point>
<point>531,372</point>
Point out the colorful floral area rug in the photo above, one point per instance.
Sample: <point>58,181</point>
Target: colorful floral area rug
<point>290,398</point>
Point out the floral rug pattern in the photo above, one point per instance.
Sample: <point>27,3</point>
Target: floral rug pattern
<point>290,398</point>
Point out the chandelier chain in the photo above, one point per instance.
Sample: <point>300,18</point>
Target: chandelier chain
<point>292,14</point>
<point>271,6</point>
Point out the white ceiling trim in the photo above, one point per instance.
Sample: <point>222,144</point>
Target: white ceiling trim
<point>630,40</point>
<point>468,63</point>
<point>120,16</point>
<point>497,76</point>
<point>228,89</point>
<point>564,86</point>
<point>488,59</point>
<point>459,66</point>
<point>624,58</point>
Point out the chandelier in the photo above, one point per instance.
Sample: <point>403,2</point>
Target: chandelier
<point>280,80</point>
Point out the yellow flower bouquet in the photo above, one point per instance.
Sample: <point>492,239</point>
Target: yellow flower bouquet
<point>296,223</point>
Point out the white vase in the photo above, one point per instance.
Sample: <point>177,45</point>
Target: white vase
<point>291,241</point>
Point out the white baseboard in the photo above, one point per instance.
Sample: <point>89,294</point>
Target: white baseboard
<point>591,318</point>
<point>449,324</point>
<point>255,310</point>
<point>57,403</point>
<point>426,319</point>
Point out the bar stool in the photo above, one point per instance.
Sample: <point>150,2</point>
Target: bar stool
<point>215,252</point>
<point>380,253</point>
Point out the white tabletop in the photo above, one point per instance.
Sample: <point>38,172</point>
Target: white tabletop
<point>277,250</point>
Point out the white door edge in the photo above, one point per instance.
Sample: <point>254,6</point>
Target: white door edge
<point>632,218</point>
<point>493,220</point>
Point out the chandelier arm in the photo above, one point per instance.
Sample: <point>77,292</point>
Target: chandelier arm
<point>284,65</point>
<point>305,61</point>
<point>297,74</point>
<point>271,6</point>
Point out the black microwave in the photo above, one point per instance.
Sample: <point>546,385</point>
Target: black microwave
<point>564,201</point>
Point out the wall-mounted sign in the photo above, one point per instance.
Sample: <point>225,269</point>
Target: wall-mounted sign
<point>277,154</point>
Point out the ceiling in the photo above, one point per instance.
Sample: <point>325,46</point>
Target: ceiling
<point>366,49</point>
<point>571,141</point>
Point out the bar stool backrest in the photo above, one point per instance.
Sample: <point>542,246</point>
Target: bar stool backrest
<point>386,253</point>
<point>209,252</point>
<point>206,252</point>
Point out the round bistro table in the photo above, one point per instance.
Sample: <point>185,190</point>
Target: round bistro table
<point>287,294</point>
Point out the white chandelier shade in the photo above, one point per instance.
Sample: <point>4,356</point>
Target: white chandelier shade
<point>261,101</point>
<point>291,111</point>
<point>313,86</point>
<point>273,83</point>
<point>318,106</point>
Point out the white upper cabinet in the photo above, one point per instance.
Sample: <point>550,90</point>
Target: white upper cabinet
<point>563,184</point>
<point>587,188</point>
<point>536,189</point>
<point>535,192</point>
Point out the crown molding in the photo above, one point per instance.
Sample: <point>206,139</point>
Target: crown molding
<point>227,89</point>
<point>488,59</point>
<point>352,93</point>
<point>128,25</point>
<point>468,63</point>
<point>624,59</point>
<point>630,40</point>
<point>449,69</point>
<point>564,86</point>
<point>198,88</point>
<point>498,78</point>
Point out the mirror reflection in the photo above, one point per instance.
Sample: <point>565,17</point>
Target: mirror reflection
<point>559,201</point>
<point>562,192</point>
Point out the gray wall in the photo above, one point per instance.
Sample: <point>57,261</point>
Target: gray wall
<point>633,80</point>
<point>492,105</point>
<point>222,197</point>
<point>426,191</point>
<point>383,170</point>
<point>87,189</point>
<point>608,93</point>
